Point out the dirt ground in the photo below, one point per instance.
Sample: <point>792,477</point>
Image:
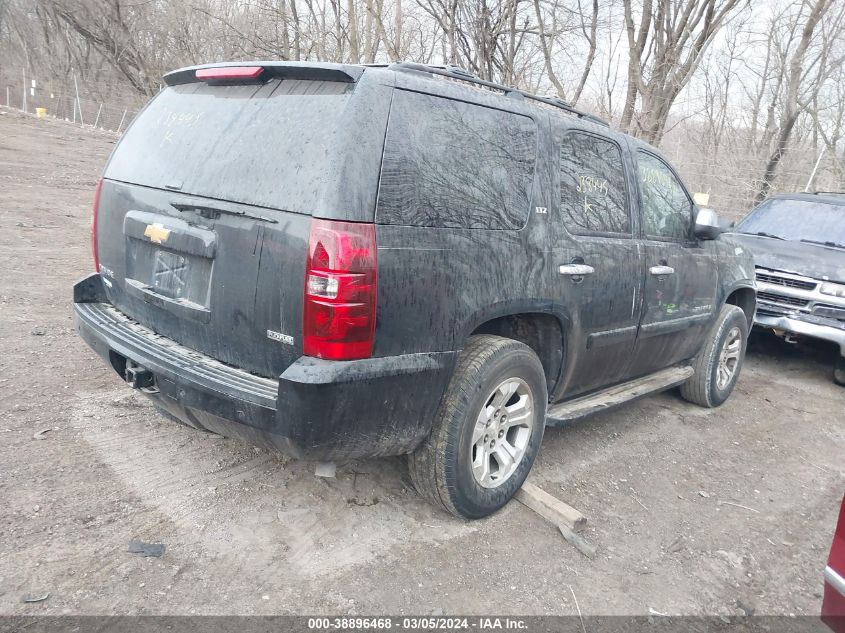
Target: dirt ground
<point>248,532</point>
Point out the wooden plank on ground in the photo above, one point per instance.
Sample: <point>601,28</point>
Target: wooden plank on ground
<point>550,508</point>
<point>578,541</point>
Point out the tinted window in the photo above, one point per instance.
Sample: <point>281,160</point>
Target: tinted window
<point>797,220</point>
<point>266,145</point>
<point>452,164</point>
<point>666,209</point>
<point>592,186</point>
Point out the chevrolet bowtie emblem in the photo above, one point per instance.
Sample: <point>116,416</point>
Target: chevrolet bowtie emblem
<point>157,233</point>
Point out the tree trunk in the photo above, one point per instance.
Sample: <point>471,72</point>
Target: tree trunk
<point>354,44</point>
<point>547,54</point>
<point>591,54</point>
<point>792,109</point>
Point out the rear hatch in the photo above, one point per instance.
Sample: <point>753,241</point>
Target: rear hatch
<point>206,204</point>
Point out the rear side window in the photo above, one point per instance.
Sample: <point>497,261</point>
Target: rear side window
<point>265,145</point>
<point>593,197</point>
<point>453,164</point>
<point>666,208</point>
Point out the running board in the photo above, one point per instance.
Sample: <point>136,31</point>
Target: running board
<point>614,396</point>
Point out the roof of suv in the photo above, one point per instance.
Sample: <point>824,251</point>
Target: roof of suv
<point>460,74</point>
<point>350,73</point>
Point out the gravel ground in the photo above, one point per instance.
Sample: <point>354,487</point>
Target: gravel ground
<point>693,511</point>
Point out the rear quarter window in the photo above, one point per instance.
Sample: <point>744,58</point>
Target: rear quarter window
<point>450,164</point>
<point>593,195</point>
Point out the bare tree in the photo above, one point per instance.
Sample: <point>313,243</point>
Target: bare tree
<point>743,101</point>
<point>801,72</point>
<point>664,53</point>
<point>112,28</point>
<point>557,25</point>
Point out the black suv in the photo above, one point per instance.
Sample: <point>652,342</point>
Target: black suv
<point>798,241</point>
<point>341,261</point>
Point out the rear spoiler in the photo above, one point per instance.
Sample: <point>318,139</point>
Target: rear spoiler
<point>344,73</point>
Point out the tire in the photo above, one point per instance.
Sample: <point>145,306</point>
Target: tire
<point>839,371</point>
<point>448,467</point>
<point>707,387</point>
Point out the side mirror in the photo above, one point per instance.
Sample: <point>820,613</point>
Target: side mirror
<point>707,225</point>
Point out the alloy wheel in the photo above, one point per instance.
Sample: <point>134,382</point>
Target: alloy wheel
<point>502,431</point>
<point>729,358</point>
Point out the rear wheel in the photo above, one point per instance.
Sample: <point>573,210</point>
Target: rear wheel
<point>718,365</point>
<point>487,430</point>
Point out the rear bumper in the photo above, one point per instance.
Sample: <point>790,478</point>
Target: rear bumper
<point>808,325</point>
<point>322,410</point>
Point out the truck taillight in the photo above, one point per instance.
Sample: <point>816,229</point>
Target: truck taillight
<point>339,314</point>
<point>94,248</point>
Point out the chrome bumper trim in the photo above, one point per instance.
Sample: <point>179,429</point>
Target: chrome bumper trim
<point>825,332</point>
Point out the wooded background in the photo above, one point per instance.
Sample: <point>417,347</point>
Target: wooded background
<point>744,97</point>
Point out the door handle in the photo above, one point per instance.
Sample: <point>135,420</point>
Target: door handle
<point>576,270</point>
<point>659,271</point>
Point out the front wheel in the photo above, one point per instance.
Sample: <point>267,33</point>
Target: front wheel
<point>839,371</point>
<point>487,430</point>
<point>718,365</point>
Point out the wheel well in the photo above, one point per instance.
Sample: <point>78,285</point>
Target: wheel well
<point>746,299</point>
<point>541,332</point>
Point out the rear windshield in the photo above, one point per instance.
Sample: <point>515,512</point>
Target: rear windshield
<point>797,220</point>
<point>265,145</point>
<point>453,164</point>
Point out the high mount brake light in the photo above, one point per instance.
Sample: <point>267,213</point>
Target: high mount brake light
<point>229,73</point>
<point>94,216</point>
<point>339,314</point>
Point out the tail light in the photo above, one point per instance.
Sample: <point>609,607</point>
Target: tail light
<point>339,314</point>
<point>94,248</point>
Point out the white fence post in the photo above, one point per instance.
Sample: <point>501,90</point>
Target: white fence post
<point>813,175</point>
<point>97,120</point>
<point>121,122</point>
<point>78,102</point>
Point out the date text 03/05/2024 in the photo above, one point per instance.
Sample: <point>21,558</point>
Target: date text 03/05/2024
<point>429,623</point>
